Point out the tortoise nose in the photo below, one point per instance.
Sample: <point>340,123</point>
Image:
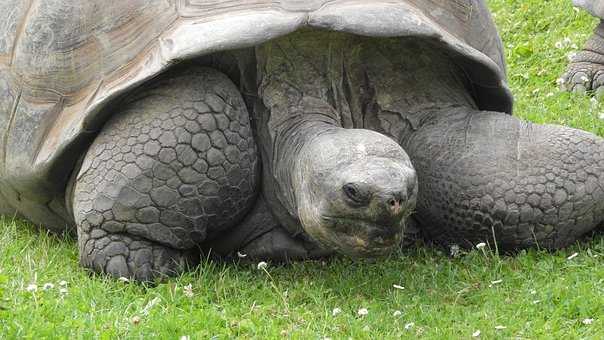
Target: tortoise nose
<point>395,203</point>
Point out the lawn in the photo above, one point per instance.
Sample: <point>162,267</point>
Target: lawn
<point>535,294</point>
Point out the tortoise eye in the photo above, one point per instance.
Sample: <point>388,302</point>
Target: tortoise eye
<point>355,193</point>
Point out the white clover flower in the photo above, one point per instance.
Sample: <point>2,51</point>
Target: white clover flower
<point>336,311</point>
<point>559,45</point>
<point>262,265</point>
<point>398,287</point>
<point>481,245</point>
<point>136,320</point>
<point>409,325</point>
<point>48,286</point>
<point>62,283</point>
<point>587,321</point>
<point>476,334</point>
<point>32,288</point>
<point>572,256</point>
<point>454,250</point>
<point>188,290</point>
<point>397,313</point>
<point>362,312</point>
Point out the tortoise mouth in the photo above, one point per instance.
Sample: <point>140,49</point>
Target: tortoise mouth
<point>365,238</point>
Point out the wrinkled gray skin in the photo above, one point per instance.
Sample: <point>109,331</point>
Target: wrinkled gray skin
<point>310,143</point>
<point>586,69</point>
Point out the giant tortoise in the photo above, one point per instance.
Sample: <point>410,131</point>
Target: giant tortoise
<point>282,129</point>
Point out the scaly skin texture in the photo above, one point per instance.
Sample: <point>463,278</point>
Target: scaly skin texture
<point>487,176</point>
<point>173,167</point>
<point>586,69</point>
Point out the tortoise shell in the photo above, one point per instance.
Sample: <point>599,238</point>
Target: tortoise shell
<point>63,62</point>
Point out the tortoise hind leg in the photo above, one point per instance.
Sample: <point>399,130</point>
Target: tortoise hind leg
<point>174,167</point>
<point>586,69</point>
<point>485,175</point>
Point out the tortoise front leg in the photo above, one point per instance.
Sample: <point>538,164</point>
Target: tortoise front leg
<point>173,168</point>
<point>485,175</point>
<point>586,69</point>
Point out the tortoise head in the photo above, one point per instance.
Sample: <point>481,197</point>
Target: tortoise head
<point>356,188</point>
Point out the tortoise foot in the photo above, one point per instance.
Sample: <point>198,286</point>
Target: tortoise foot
<point>585,73</point>
<point>132,257</point>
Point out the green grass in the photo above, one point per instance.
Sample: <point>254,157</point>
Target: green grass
<point>541,295</point>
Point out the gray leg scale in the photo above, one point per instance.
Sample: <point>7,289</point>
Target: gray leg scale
<point>173,167</point>
<point>487,176</point>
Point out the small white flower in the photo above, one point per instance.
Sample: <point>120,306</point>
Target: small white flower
<point>363,312</point>
<point>409,325</point>
<point>454,250</point>
<point>587,321</point>
<point>136,320</point>
<point>188,290</point>
<point>561,81</point>
<point>241,255</point>
<point>32,288</point>
<point>476,334</point>
<point>124,279</point>
<point>336,311</point>
<point>62,283</point>
<point>48,286</point>
<point>481,245</point>
<point>63,291</point>
<point>262,265</point>
<point>500,328</point>
<point>398,287</point>
<point>572,256</point>
<point>397,313</point>
<point>559,45</point>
